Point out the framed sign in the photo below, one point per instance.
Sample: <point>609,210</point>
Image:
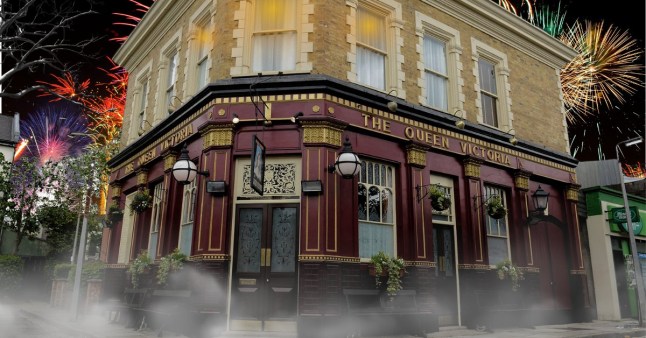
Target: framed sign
<point>257,166</point>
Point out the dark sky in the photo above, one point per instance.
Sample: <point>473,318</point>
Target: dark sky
<point>601,131</point>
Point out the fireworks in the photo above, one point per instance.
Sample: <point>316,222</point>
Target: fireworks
<point>50,132</point>
<point>131,20</point>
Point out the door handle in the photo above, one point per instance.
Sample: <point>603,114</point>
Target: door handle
<point>268,257</point>
<point>263,254</point>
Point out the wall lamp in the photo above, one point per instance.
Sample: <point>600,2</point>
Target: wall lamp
<point>171,108</point>
<point>295,117</point>
<point>142,130</point>
<point>540,198</point>
<point>460,122</point>
<point>312,187</point>
<point>513,140</point>
<point>347,163</point>
<point>184,170</point>
<point>236,119</point>
<point>392,105</point>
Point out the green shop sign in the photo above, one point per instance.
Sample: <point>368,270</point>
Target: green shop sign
<point>618,216</point>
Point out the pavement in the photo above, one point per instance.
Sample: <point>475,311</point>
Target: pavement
<point>58,322</point>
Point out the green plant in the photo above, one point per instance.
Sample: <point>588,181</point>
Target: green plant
<point>495,208</point>
<point>114,215</point>
<point>170,263</point>
<point>10,273</point>
<point>439,200</point>
<point>140,202</point>
<point>62,270</point>
<point>393,267</point>
<point>139,266</point>
<point>506,269</point>
<point>90,270</point>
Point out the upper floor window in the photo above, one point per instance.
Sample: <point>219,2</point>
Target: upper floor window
<point>497,229</point>
<point>436,72</point>
<point>376,209</point>
<point>142,104</point>
<point>492,88</point>
<point>198,56</point>
<point>171,80</point>
<point>201,65</point>
<point>371,48</point>
<point>274,35</point>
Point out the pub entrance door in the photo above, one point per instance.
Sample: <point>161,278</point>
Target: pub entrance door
<point>443,247</point>
<point>264,285</point>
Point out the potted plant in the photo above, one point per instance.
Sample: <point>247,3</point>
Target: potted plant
<point>391,267</point>
<point>174,261</point>
<point>114,214</point>
<point>439,200</point>
<point>140,202</point>
<point>506,269</point>
<point>138,267</point>
<point>495,208</point>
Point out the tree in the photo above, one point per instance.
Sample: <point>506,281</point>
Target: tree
<point>35,35</point>
<point>59,223</point>
<point>25,187</point>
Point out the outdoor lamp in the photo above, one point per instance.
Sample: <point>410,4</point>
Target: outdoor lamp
<point>540,198</point>
<point>184,170</point>
<point>347,163</point>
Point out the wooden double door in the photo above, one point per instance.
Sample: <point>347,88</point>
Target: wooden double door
<point>264,294</point>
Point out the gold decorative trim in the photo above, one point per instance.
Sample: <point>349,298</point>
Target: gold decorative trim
<point>217,136</point>
<point>327,258</point>
<point>316,108</point>
<point>424,264</point>
<point>474,267</point>
<point>116,266</point>
<point>521,179</point>
<point>115,190</point>
<point>169,161</point>
<point>221,112</point>
<point>578,272</point>
<point>317,132</point>
<point>472,167</point>
<point>202,258</point>
<point>416,155</point>
<point>142,177</point>
<point>530,269</point>
<point>572,192</point>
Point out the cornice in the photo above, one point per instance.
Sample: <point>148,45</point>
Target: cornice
<point>153,27</point>
<point>494,20</point>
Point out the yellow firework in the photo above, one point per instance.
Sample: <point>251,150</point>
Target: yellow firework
<point>605,69</point>
<point>507,4</point>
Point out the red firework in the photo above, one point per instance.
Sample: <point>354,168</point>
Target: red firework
<point>65,87</point>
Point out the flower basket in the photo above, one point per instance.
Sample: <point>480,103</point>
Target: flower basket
<point>114,215</point>
<point>390,267</point>
<point>495,208</point>
<point>141,201</point>
<point>439,200</point>
<point>506,269</point>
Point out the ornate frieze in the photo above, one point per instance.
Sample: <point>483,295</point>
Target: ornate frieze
<point>115,190</point>
<point>572,193</point>
<point>416,155</point>
<point>280,179</point>
<point>321,132</point>
<point>217,136</point>
<point>327,258</point>
<point>142,177</point>
<point>472,167</point>
<point>521,179</point>
<point>169,161</point>
<point>474,266</point>
<point>202,258</point>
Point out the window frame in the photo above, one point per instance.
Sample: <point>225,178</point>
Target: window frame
<point>187,215</point>
<point>201,22</point>
<point>427,26</point>
<point>382,188</point>
<point>156,216</point>
<point>498,59</point>
<point>488,188</point>
<point>139,104</point>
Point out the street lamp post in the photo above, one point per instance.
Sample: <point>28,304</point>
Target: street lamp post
<point>629,226</point>
<point>79,260</point>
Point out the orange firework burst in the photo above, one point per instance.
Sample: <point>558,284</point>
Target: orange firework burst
<point>65,87</point>
<point>130,19</point>
<point>604,70</point>
<point>636,171</point>
<point>507,4</point>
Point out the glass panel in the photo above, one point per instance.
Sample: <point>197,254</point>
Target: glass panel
<point>274,51</point>
<point>436,91</point>
<point>383,175</point>
<point>283,246</point>
<point>502,226</point>
<point>371,68</point>
<point>377,174</point>
<point>387,206</point>
<point>371,29</point>
<point>275,14</point>
<point>374,238</point>
<point>435,55</point>
<point>362,178</point>
<point>497,250</point>
<point>448,252</point>
<point>152,245</point>
<point>363,203</point>
<point>249,236</point>
<point>487,76</point>
<point>390,177</point>
<point>370,165</point>
<point>489,110</point>
<point>185,238</point>
<point>201,73</point>
<point>374,204</point>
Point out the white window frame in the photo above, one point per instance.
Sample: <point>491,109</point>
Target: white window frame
<point>139,105</point>
<point>392,13</point>
<point>363,181</point>
<point>189,202</point>
<point>427,26</point>
<point>167,87</point>
<point>489,190</point>
<point>155,218</point>
<point>127,227</point>
<point>200,39</point>
<point>243,45</point>
<point>445,184</point>
<point>499,60</point>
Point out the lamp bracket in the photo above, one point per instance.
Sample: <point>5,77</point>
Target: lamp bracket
<point>331,169</point>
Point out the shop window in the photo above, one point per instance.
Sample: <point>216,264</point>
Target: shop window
<point>274,35</point>
<point>188,213</point>
<point>497,229</point>
<point>445,185</point>
<point>492,88</point>
<point>376,209</point>
<point>155,220</point>
<point>371,48</point>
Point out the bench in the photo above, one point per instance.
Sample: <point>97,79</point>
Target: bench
<point>372,312</point>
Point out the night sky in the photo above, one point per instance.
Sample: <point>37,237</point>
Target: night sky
<point>605,129</point>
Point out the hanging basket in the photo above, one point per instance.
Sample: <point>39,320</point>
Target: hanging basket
<point>440,203</point>
<point>497,212</point>
<point>141,201</point>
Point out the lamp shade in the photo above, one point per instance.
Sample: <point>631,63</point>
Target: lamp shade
<point>540,198</point>
<point>184,170</point>
<point>347,164</point>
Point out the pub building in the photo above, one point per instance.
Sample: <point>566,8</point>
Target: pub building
<point>272,106</point>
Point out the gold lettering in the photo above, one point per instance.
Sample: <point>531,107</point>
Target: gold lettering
<point>365,120</point>
<point>419,134</point>
<point>387,126</point>
<point>445,142</point>
<point>490,155</point>
<point>474,151</point>
<point>428,138</point>
<point>409,132</point>
<point>498,157</point>
<point>506,160</point>
<point>376,123</point>
<point>436,140</point>
<point>463,147</point>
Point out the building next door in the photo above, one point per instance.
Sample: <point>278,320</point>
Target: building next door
<point>443,247</point>
<point>264,285</point>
